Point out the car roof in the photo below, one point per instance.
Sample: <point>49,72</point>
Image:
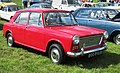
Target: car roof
<point>41,4</point>
<point>42,10</point>
<point>12,5</point>
<point>100,8</point>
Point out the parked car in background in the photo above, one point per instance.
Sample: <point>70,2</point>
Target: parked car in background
<point>48,1</point>
<point>55,32</point>
<point>117,4</point>
<point>102,18</point>
<point>8,11</point>
<point>40,5</point>
<point>113,7</point>
<point>6,2</point>
<point>65,4</point>
<point>79,2</point>
<point>104,4</point>
<point>88,4</point>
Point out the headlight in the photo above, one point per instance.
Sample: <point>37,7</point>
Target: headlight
<point>76,39</point>
<point>106,35</point>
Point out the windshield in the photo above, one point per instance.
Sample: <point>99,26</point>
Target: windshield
<point>6,0</point>
<point>59,19</point>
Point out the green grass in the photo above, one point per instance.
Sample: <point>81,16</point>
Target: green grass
<point>20,59</point>
<point>18,2</point>
<point>2,21</point>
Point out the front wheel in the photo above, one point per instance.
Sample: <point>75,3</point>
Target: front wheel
<point>56,54</point>
<point>116,38</point>
<point>10,40</point>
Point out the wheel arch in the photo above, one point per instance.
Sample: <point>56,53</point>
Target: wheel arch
<point>53,42</point>
<point>8,31</point>
<point>113,33</point>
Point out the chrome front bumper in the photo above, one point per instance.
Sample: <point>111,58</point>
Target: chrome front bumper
<point>85,52</point>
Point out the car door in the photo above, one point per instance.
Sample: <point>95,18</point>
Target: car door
<point>96,23</point>
<point>34,35</point>
<point>82,16</point>
<point>82,21</point>
<point>97,20</point>
<point>20,26</point>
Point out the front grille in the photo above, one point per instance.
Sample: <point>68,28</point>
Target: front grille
<point>90,41</point>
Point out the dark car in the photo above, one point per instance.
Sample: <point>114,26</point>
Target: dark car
<point>40,5</point>
<point>102,18</point>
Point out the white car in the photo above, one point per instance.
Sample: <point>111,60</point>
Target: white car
<point>6,2</point>
<point>8,11</point>
<point>65,4</point>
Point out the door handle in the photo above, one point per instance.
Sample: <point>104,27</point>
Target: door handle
<point>90,20</point>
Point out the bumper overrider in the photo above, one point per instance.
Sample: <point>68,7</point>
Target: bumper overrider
<point>82,52</point>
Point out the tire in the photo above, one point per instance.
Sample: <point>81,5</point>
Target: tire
<point>10,40</point>
<point>56,54</point>
<point>116,38</point>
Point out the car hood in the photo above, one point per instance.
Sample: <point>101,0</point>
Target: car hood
<point>77,30</point>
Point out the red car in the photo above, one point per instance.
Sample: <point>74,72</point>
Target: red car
<point>55,32</point>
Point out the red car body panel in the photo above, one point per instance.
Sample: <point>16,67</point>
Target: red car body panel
<point>39,37</point>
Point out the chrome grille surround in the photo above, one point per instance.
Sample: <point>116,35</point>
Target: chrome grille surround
<point>90,41</point>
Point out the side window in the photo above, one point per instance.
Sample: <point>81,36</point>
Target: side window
<point>22,18</point>
<point>4,9</point>
<point>93,14</point>
<point>111,13</point>
<point>64,2</point>
<point>35,19</point>
<point>99,14</point>
<point>9,9</point>
<point>83,13</point>
<point>36,6</point>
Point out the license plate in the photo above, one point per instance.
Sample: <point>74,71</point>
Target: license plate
<point>94,54</point>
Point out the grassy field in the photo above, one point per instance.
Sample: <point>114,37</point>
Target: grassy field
<point>21,59</point>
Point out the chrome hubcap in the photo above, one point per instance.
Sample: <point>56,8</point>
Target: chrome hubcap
<point>55,56</point>
<point>10,41</point>
<point>117,39</point>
